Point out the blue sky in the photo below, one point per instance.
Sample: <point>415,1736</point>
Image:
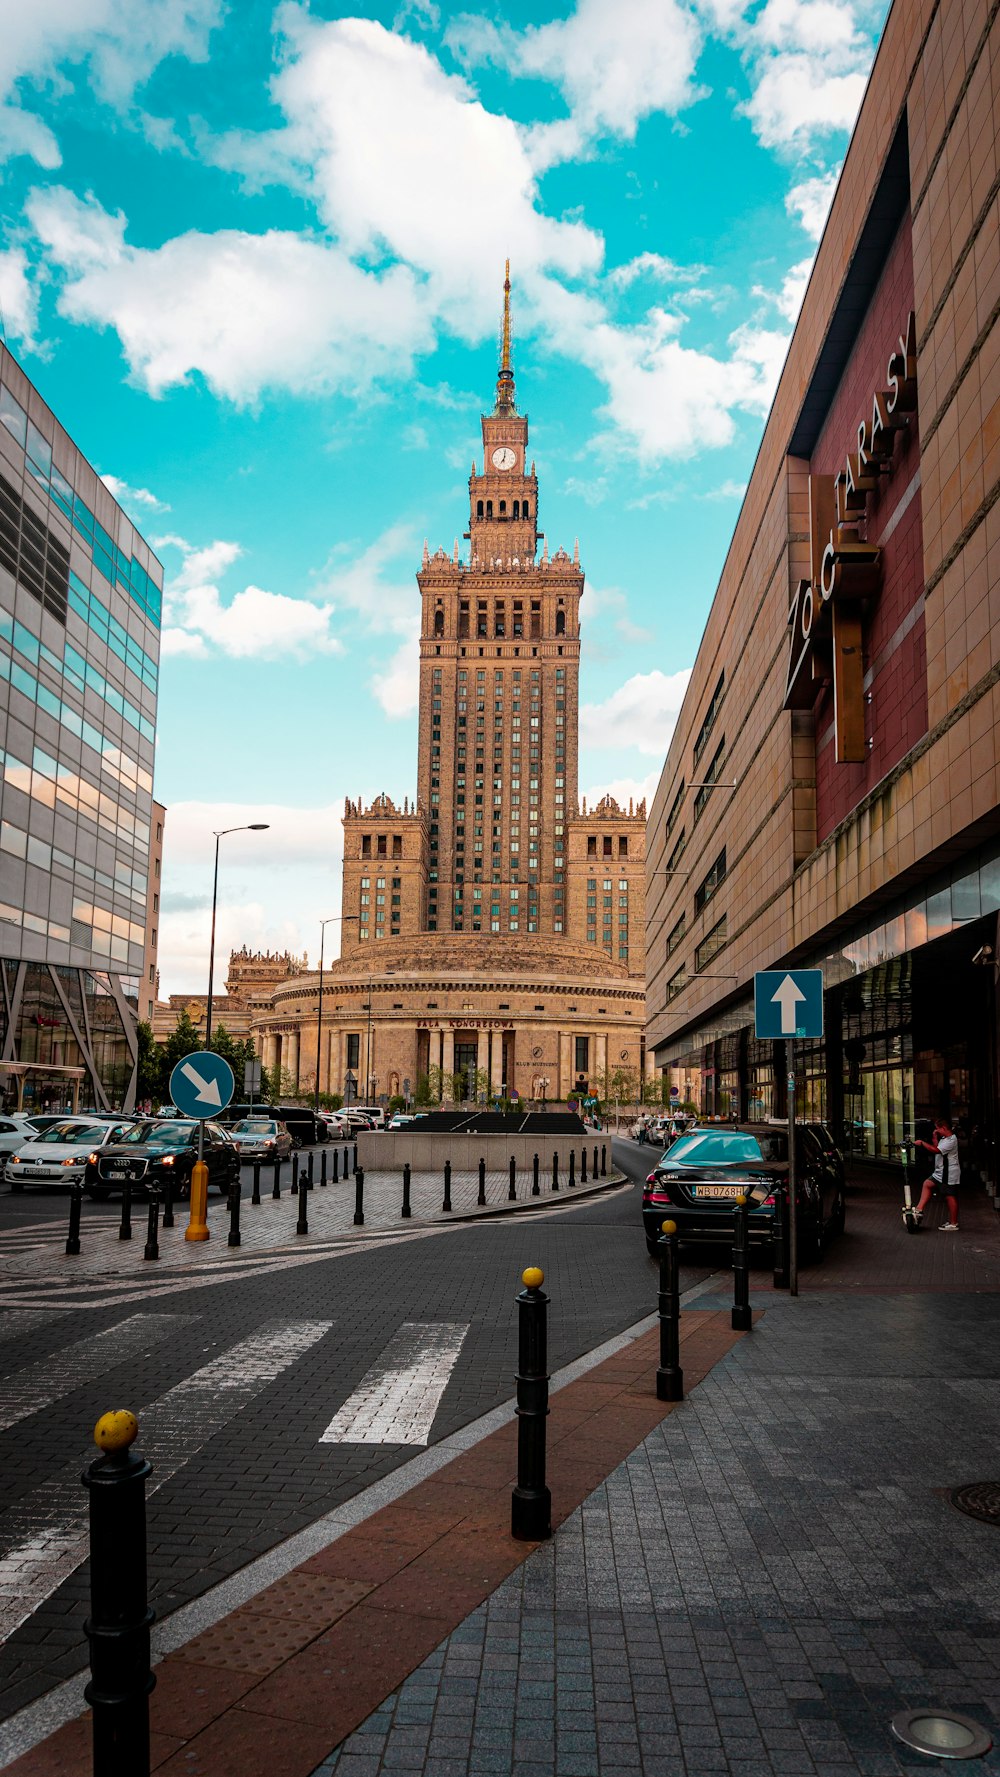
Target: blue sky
<point>252,256</point>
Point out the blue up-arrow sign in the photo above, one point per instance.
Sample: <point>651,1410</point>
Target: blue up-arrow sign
<point>788,1003</point>
<point>202,1084</point>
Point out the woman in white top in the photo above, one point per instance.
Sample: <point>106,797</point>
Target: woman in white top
<point>944,1176</point>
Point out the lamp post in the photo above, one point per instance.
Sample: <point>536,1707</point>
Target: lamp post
<point>251,827</point>
<point>334,919</point>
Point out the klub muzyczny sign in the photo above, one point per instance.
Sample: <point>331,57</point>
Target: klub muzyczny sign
<point>825,620</point>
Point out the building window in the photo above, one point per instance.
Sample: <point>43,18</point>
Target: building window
<point>353,1049</point>
<point>710,715</point>
<point>710,883</point>
<point>711,944</point>
<point>678,851</point>
<point>711,776</point>
<point>581,1050</point>
<point>676,984</point>
<point>675,809</point>
<point>676,934</point>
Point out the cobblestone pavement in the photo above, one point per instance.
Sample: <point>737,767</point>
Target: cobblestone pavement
<point>249,1469</point>
<point>761,1586</point>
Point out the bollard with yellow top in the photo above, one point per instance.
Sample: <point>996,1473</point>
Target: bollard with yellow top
<point>531,1502</point>
<point>669,1376</point>
<point>742,1318</point>
<point>120,1618</point>
<point>197,1228</point>
<point>201,1086</point>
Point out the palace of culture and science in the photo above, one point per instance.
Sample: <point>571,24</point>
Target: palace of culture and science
<point>491,923</point>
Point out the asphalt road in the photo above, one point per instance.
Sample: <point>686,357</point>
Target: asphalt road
<point>238,1384</point>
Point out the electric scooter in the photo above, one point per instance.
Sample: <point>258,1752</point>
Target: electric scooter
<point>910,1219</point>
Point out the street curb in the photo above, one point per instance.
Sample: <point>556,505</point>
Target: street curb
<point>553,1200</point>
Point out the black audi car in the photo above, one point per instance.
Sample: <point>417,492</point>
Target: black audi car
<point>152,1153</point>
<point>697,1180</point>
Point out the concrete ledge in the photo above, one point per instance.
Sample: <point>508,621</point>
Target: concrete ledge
<point>388,1151</point>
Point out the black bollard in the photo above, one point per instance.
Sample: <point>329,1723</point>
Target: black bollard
<point>406,1212</point>
<point>481,1198</point>
<point>669,1376</point>
<point>512,1187</point>
<point>302,1222</point>
<point>346,1162</point>
<point>322,1169</point>
<point>294,1187</point>
<point>742,1322</point>
<point>534,1175</point>
<point>446,1205</point>
<point>555,1172</point>
<point>583,1166</point>
<point>120,1619</point>
<point>531,1502</point>
<point>255,1192</point>
<point>336,1166</point>
<point>595,1162</point>
<point>125,1226</point>
<point>604,1160</point>
<point>571,1175</point>
<point>235,1199</point>
<point>73,1235</point>
<point>151,1250</point>
<point>359,1197</point>
<point>276,1186</point>
<point>308,1180</point>
<point>355,1156</point>
<point>779,1238</point>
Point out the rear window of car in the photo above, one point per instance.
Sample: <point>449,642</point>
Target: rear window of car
<point>251,1128</point>
<point>160,1135</point>
<point>726,1147</point>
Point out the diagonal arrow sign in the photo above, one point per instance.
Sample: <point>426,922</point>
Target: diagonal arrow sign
<point>207,1091</point>
<point>787,997</point>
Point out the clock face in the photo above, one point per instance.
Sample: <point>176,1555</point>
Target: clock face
<point>504,458</point>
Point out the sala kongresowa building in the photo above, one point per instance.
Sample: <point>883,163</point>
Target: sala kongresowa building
<point>491,928</point>
<point>79,650</point>
<point>848,680</point>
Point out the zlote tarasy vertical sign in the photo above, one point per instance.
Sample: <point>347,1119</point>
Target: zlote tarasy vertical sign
<point>825,633</point>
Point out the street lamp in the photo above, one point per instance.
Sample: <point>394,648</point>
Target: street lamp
<point>334,919</point>
<point>252,827</point>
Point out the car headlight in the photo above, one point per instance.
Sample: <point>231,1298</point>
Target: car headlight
<point>15,1159</point>
<point>91,1159</point>
<point>269,1142</point>
<point>167,1160</point>
<point>73,1161</point>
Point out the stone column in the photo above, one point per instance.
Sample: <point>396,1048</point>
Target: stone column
<point>292,1064</point>
<point>447,1060</point>
<point>482,1056</point>
<point>496,1062</point>
<point>564,1085</point>
<point>600,1067</point>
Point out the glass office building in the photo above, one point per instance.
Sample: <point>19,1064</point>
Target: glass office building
<point>80,595</point>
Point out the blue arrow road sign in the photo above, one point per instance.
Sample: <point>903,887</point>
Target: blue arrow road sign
<point>202,1084</point>
<point>788,1003</point>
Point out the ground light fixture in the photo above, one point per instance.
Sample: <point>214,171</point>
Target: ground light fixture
<point>941,1733</point>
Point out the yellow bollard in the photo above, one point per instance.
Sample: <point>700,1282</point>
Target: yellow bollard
<point>197,1228</point>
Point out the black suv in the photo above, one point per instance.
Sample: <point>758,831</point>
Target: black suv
<point>152,1153</point>
<point>697,1179</point>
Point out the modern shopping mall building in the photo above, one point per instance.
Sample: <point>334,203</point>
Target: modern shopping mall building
<point>830,796</point>
<point>79,649</point>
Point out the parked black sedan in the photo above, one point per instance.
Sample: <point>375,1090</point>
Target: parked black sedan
<point>698,1178</point>
<point>152,1153</point>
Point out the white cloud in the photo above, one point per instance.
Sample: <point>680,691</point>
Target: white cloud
<point>654,266</point>
<point>796,98</point>
<point>614,64</point>
<point>810,201</point>
<point>254,905</point>
<point>793,289</point>
<point>115,43</point>
<point>18,297</point>
<point>252,623</point>
<point>398,687</point>
<point>608,607</point>
<point>640,714</point>
<point>809,63</point>
<point>133,496</point>
<point>246,312</point>
<point>624,789</point>
<point>388,604</point>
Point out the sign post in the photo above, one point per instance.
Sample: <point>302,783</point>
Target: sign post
<point>201,1085</point>
<point>788,1004</point>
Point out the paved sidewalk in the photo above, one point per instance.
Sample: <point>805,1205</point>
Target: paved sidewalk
<point>759,1587</point>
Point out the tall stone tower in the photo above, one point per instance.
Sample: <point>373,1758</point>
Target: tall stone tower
<point>499,669</point>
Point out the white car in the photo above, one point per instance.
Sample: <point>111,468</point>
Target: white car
<point>15,1130</point>
<point>335,1123</point>
<point>401,1120</point>
<point>59,1153</point>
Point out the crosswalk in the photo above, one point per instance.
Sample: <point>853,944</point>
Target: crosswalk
<point>395,1403</point>
<point>43,1536</point>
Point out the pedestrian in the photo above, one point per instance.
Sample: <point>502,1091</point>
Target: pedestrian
<point>945,1176</point>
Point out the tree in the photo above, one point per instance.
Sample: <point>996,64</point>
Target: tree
<point>150,1074</point>
<point>424,1094</point>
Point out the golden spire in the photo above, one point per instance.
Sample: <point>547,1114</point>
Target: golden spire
<point>505,379</point>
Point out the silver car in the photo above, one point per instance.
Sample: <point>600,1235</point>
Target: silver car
<point>261,1138</point>
<point>59,1154</point>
